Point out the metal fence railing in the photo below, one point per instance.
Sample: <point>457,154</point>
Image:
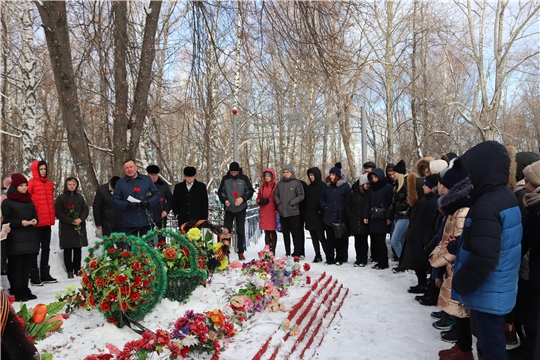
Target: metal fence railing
<point>216,215</point>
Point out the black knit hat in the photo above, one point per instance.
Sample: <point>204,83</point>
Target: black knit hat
<point>432,180</point>
<point>400,167</point>
<point>190,171</point>
<point>390,166</point>
<point>453,176</point>
<point>152,169</point>
<point>234,166</point>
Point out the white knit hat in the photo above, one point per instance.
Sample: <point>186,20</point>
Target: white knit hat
<point>436,166</point>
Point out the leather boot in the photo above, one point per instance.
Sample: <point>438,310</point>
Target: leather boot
<point>29,294</point>
<point>46,278</point>
<point>34,277</point>
<point>20,295</point>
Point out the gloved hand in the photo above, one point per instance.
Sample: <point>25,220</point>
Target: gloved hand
<point>132,206</point>
<point>145,204</point>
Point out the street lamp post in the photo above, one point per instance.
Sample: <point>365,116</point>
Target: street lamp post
<point>235,134</point>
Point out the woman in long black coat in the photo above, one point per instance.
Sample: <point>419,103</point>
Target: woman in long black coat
<point>72,211</point>
<point>19,212</point>
<point>354,208</point>
<point>312,211</point>
<point>332,202</point>
<point>377,214</point>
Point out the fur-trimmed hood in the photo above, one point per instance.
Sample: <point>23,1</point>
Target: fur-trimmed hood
<point>513,167</point>
<point>421,163</point>
<point>342,180</point>
<point>414,188</point>
<point>456,198</point>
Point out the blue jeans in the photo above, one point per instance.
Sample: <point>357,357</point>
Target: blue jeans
<point>398,235</point>
<point>490,329</point>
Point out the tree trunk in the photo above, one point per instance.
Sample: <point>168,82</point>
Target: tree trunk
<point>54,18</point>
<point>144,79</point>
<point>120,126</point>
<point>29,88</point>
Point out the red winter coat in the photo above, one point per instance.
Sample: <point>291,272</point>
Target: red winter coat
<point>267,213</point>
<point>42,192</point>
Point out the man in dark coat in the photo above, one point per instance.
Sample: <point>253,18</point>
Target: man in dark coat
<point>313,213</point>
<point>135,194</point>
<point>164,206</point>
<point>234,191</point>
<point>106,218</point>
<point>190,198</point>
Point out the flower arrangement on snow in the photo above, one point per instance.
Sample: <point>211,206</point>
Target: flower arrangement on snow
<point>73,298</point>
<point>122,284</point>
<point>268,280</point>
<point>181,257</point>
<point>213,254</point>
<point>207,332</point>
<point>193,333</point>
<point>42,320</point>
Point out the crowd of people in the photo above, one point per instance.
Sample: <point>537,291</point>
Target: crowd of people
<point>467,226</point>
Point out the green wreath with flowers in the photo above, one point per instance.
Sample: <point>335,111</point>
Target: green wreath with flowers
<point>122,282</point>
<point>185,270</point>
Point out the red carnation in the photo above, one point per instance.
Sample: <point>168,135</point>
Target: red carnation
<point>124,289</point>
<point>137,189</point>
<point>161,243</point>
<point>100,282</point>
<point>162,199</point>
<point>235,194</point>
<point>70,206</point>
<point>307,267</point>
<point>120,279</point>
<point>93,264</point>
<point>111,250</point>
<point>124,306</point>
<point>136,266</point>
<point>91,301</point>
<point>125,253</point>
<point>135,296</point>
<point>111,297</point>
<point>296,259</point>
<point>308,280</point>
<point>137,281</point>
<point>162,337</point>
<point>105,306</point>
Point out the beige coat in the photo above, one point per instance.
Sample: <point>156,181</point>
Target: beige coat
<point>441,257</point>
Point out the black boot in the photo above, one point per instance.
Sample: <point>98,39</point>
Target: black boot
<point>46,278</point>
<point>34,277</point>
<point>29,294</point>
<point>20,295</point>
<point>70,274</point>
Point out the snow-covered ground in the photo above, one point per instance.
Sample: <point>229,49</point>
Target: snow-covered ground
<point>378,320</point>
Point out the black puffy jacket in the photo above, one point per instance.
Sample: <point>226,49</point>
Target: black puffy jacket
<point>21,240</point>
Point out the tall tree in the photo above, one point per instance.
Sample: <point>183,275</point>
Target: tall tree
<point>54,17</point>
<point>514,23</point>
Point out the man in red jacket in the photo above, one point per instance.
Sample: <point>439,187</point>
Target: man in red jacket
<point>42,191</point>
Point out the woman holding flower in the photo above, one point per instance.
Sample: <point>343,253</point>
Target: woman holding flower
<point>72,211</point>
